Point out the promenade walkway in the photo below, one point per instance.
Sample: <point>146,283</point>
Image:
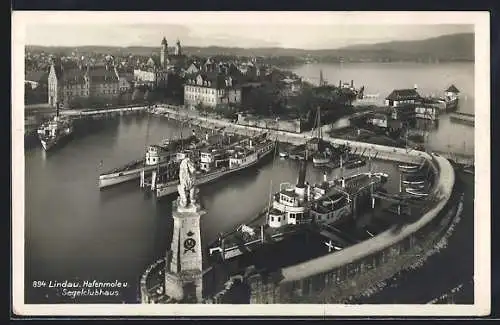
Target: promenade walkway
<point>91,112</point>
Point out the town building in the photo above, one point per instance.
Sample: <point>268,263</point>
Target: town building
<point>36,78</point>
<point>290,87</point>
<point>175,59</point>
<point>193,68</point>
<point>210,89</point>
<point>84,82</point>
<point>402,103</point>
<point>154,74</point>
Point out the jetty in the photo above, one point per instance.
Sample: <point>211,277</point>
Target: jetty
<point>463,118</point>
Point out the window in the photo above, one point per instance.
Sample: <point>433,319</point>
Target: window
<point>279,219</point>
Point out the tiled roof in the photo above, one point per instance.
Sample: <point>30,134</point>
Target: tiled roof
<point>73,76</point>
<point>452,89</point>
<point>402,94</point>
<point>216,80</point>
<point>102,75</point>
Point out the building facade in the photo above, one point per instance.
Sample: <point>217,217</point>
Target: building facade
<point>401,97</point>
<point>83,82</point>
<point>210,89</point>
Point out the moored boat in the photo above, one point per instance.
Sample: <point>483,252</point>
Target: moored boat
<point>294,209</point>
<point>321,159</point>
<point>408,168</point>
<point>355,163</point>
<point>283,154</point>
<point>416,192</point>
<point>156,156</point>
<point>216,164</point>
<point>55,132</point>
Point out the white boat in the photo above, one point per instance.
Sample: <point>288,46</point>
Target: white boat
<point>409,168</point>
<point>238,161</point>
<point>283,154</point>
<point>406,182</point>
<point>416,192</point>
<point>55,131</point>
<point>321,159</point>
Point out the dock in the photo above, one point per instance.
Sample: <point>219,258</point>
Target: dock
<point>463,118</point>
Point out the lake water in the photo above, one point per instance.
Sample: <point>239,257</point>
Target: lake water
<point>431,79</point>
<point>74,231</point>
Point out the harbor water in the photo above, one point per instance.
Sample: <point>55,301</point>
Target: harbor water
<point>73,231</point>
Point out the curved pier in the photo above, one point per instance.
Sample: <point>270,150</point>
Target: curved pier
<point>380,242</point>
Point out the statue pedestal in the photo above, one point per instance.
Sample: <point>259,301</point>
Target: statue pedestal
<point>183,274</point>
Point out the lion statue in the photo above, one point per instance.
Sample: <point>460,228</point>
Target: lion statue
<point>186,187</point>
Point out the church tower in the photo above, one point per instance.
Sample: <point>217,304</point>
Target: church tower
<point>178,49</point>
<point>164,53</point>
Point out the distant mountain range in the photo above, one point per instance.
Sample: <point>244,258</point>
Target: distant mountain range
<point>455,47</point>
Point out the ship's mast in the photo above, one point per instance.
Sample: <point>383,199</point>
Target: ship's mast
<point>320,135</point>
<point>271,182</point>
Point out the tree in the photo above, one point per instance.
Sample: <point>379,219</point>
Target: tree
<point>262,100</point>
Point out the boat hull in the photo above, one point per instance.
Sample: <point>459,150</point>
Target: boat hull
<point>320,161</point>
<point>118,179</point>
<point>53,143</point>
<point>122,177</point>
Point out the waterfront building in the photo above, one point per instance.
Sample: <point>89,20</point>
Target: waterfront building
<point>211,89</point>
<point>82,82</point>
<point>401,97</point>
<point>407,103</point>
<point>452,92</point>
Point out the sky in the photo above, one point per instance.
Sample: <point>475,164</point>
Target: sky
<point>323,35</point>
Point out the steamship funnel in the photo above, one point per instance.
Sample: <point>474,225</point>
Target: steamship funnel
<point>302,175</point>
